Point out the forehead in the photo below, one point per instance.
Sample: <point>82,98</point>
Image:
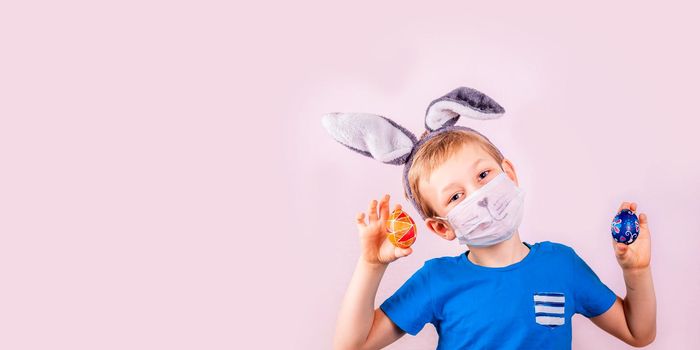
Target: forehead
<point>456,166</point>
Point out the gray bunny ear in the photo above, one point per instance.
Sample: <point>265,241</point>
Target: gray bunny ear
<point>462,101</point>
<point>371,135</point>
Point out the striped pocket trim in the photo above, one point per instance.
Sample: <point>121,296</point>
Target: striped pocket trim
<point>549,308</point>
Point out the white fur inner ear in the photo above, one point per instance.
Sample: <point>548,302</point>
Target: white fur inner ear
<point>369,133</point>
<point>442,111</point>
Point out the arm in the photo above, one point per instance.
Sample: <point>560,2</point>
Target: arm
<point>360,325</point>
<point>633,319</point>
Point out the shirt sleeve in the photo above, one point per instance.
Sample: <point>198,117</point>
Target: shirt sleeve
<point>591,296</point>
<point>410,307</point>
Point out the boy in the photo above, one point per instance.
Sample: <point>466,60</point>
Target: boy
<point>501,293</point>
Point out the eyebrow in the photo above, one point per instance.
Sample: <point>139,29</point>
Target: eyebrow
<point>444,189</point>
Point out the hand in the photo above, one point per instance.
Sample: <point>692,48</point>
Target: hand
<point>376,247</point>
<point>636,255</point>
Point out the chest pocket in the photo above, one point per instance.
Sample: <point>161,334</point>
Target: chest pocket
<point>549,308</point>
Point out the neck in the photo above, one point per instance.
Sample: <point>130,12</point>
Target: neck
<point>502,254</point>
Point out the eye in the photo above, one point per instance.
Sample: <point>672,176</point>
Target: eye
<point>455,196</point>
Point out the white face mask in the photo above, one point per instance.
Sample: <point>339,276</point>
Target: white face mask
<point>490,214</point>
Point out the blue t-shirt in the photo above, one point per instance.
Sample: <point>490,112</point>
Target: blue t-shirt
<point>525,305</point>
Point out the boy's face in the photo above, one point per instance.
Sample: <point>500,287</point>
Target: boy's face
<point>460,175</point>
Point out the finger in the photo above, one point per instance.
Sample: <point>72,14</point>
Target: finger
<point>373,211</point>
<point>624,205</point>
<point>400,253</point>
<point>621,249</point>
<point>633,207</point>
<point>384,208</point>
<point>360,219</point>
<point>397,207</point>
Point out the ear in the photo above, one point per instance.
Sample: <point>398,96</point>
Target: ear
<point>509,169</point>
<point>371,135</point>
<point>440,228</point>
<point>462,101</point>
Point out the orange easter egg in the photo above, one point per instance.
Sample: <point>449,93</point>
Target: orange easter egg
<point>401,230</point>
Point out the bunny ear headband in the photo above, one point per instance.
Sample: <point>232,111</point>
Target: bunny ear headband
<point>383,139</point>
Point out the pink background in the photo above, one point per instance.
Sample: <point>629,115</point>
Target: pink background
<point>166,183</point>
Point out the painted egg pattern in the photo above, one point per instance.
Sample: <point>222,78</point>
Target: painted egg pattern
<point>401,229</point>
<point>625,227</point>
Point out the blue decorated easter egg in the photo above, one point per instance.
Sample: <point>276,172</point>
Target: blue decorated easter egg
<point>625,226</point>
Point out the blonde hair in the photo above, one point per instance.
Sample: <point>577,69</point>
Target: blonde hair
<point>436,151</point>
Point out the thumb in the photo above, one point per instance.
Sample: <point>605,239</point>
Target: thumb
<point>399,252</point>
<point>643,221</point>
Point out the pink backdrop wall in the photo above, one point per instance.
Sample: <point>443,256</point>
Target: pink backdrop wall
<point>165,181</point>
